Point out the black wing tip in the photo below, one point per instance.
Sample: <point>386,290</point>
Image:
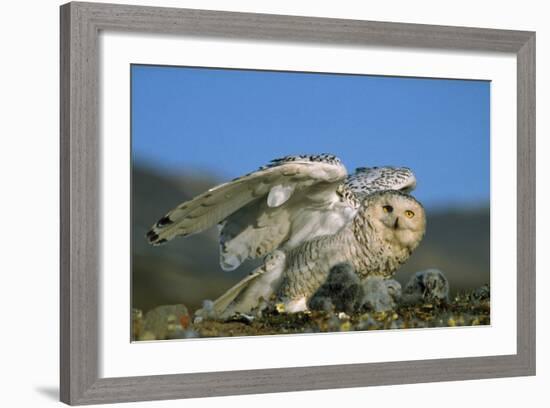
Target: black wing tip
<point>154,238</point>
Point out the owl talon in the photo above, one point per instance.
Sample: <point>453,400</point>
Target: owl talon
<point>296,305</point>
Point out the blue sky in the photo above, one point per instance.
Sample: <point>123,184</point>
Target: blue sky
<point>229,122</point>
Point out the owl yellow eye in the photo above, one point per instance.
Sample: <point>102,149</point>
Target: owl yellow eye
<point>409,214</point>
<point>387,208</point>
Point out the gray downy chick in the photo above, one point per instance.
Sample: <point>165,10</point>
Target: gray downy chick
<point>344,291</point>
<point>380,295</point>
<point>426,286</point>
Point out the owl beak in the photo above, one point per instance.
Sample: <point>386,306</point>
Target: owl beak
<point>396,223</point>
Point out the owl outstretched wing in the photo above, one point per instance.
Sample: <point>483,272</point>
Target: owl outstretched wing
<point>262,199</point>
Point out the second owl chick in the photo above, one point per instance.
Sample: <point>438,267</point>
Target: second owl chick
<point>343,291</point>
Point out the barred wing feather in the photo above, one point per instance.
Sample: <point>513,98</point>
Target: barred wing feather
<point>273,185</point>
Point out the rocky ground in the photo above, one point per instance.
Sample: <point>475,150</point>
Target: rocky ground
<point>175,322</point>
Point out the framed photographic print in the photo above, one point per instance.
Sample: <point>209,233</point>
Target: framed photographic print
<point>311,203</point>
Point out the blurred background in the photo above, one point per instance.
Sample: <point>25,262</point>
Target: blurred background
<point>193,128</point>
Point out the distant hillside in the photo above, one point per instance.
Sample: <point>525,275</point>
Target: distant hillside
<point>187,270</point>
<point>184,270</point>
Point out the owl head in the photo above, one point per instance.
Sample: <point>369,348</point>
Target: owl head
<point>398,218</point>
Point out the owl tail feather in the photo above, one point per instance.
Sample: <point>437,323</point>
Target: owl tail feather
<point>246,295</point>
<point>221,304</point>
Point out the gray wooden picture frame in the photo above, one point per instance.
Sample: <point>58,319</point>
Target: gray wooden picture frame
<point>80,192</point>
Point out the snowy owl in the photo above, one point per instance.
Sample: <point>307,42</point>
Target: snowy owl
<point>277,209</point>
